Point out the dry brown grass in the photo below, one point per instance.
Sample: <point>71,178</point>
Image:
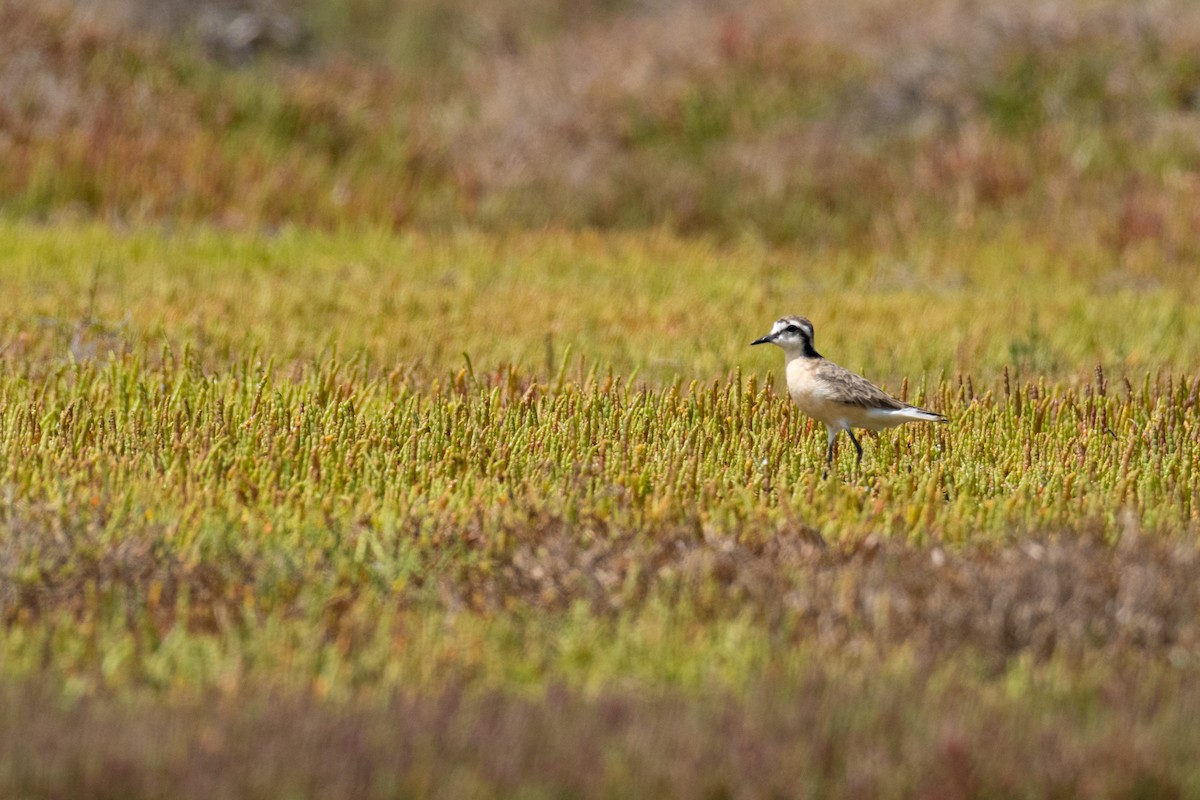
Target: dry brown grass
<point>859,123</point>
<point>818,736</point>
<point>1038,597</point>
<point>99,121</point>
<point>861,118</point>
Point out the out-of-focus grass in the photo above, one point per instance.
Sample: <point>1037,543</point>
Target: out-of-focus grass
<point>813,734</point>
<point>436,498</point>
<point>815,124</point>
<point>444,36</point>
<point>99,121</point>
<point>651,307</point>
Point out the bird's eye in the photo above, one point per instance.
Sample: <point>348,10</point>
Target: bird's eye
<point>792,329</point>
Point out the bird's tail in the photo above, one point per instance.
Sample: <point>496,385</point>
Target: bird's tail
<point>924,415</point>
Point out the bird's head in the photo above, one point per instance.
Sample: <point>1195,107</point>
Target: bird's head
<point>793,334</point>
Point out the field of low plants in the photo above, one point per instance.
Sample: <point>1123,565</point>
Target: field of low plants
<point>365,434</point>
<point>363,472</point>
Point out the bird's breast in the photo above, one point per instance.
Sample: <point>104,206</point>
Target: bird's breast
<point>810,394</point>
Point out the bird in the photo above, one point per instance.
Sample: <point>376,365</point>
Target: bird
<point>832,394</point>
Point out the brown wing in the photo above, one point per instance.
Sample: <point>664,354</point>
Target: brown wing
<point>840,385</point>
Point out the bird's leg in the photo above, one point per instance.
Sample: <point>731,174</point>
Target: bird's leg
<point>829,452</point>
<point>857,446</point>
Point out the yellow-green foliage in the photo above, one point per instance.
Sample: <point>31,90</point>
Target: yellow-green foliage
<point>323,475</point>
<point>272,377</point>
<point>653,308</point>
<point>170,443</point>
<point>288,456</point>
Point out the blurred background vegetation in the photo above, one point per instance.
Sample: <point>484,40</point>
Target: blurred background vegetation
<point>257,501</point>
<point>848,123</point>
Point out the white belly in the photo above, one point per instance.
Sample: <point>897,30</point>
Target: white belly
<point>815,399</point>
<point>843,417</point>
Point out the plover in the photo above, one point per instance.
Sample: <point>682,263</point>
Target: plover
<point>834,395</point>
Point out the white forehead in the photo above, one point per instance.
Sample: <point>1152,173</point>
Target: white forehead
<point>783,323</point>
